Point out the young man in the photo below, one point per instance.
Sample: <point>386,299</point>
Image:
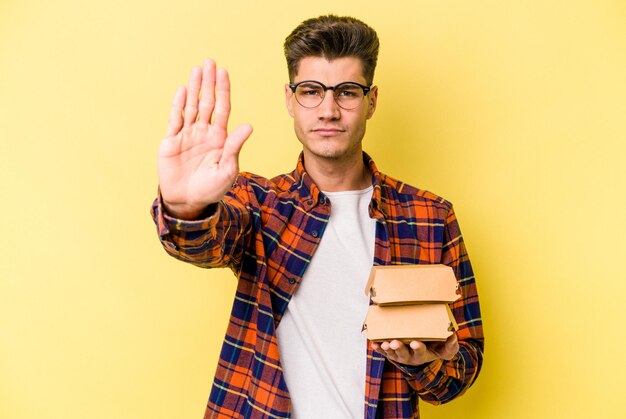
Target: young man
<point>302,244</point>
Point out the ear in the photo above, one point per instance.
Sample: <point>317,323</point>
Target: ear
<point>289,99</point>
<point>373,100</point>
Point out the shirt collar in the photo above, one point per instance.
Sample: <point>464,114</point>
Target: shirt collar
<point>310,195</point>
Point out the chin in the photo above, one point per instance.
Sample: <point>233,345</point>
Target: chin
<point>330,148</point>
<point>329,153</point>
<point>329,156</point>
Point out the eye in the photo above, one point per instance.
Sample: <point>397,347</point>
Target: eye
<point>309,90</point>
<point>349,91</point>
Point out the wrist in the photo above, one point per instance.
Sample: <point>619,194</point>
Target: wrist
<point>184,212</point>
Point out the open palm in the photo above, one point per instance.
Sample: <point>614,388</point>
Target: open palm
<point>198,159</point>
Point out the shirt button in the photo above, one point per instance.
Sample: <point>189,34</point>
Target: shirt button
<point>292,281</point>
<point>309,202</point>
<point>314,233</point>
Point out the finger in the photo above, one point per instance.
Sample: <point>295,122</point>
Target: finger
<point>385,348</point>
<point>422,353</point>
<point>193,89</point>
<point>396,344</point>
<point>176,113</point>
<point>377,347</point>
<point>401,351</point>
<point>207,92</point>
<point>222,99</point>
<point>417,346</point>
<point>232,147</point>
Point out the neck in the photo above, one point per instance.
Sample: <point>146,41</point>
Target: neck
<point>336,175</point>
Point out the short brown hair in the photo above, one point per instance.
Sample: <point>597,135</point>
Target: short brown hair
<point>332,37</point>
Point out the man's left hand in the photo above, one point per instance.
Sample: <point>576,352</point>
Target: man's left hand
<point>417,352</point>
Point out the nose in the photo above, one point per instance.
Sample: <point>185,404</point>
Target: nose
<point>329,109</point>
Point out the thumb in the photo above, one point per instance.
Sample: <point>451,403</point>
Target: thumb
<point>233,145</point>
<point>450,348</point>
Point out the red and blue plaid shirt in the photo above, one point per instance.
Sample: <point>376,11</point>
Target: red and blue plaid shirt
<point>267,231</point>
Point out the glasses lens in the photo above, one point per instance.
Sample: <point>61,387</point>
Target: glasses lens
<point>348,95</point>
<point>309,94</point>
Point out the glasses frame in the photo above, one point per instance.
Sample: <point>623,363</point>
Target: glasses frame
<point>294,86</point>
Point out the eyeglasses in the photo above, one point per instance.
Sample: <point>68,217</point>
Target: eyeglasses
<point>310,93</point>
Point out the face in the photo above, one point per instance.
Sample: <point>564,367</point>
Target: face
<point>329,132</point>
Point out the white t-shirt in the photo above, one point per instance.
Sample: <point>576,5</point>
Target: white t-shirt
<point>322,350</point>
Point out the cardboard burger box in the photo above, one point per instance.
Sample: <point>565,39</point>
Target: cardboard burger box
<point>411,303</point>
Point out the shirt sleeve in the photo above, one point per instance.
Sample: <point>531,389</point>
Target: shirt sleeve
<point>441,381</point>
<point>215,240</point>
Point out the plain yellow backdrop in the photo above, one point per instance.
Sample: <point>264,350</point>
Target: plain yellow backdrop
<point>515,111</point>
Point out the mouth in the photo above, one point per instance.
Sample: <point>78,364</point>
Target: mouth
<point>328,132</point>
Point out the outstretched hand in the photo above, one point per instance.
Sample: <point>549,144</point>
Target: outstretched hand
<point>417,352</point>
<point>198,159</point>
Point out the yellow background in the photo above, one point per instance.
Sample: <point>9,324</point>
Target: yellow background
<point>514,111</point>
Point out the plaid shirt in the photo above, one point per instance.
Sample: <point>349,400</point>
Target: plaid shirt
<point>267,231</point>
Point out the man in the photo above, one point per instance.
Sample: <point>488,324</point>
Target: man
<point>302,244</point>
